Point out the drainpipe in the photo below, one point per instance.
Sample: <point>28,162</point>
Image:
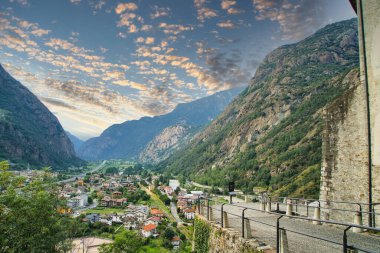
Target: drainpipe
<point>360,12</point>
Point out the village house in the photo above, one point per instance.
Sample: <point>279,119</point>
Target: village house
<point>148,230</point>
<point>168,190</point>
<point>153,220</point>
<point>107,201</point>
<point>156,212</point>
<point>176,241</point>
<point>189,213</point>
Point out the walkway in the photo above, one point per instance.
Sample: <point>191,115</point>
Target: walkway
<point>263,227</point>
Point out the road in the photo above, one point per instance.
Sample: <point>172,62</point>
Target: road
<point>301,234</point>
<point>82,175</point>
<point>173,210</point>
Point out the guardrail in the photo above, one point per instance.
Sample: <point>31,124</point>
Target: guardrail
<point>308,203</point>
<point>272,222</point>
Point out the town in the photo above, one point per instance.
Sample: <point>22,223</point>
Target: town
<point>118,199</point>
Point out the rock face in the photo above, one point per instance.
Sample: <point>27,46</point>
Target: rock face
<point>29,132</point>
<point>270,135</point>
<point>128,140</point>
<point>165,143</point>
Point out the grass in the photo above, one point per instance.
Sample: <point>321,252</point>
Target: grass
<point>106,210</point>
<point>156,201</point>
<point>155,246</point>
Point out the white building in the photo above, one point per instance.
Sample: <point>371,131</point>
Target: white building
<point>174,184</point>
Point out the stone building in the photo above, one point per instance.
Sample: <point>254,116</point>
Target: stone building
<point>351,141</point>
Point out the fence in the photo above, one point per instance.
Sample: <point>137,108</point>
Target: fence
<point>305,207</point>
<point>290,233</point>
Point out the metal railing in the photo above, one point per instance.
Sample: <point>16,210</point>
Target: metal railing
<point>301,204</point>
<point>276,229</point>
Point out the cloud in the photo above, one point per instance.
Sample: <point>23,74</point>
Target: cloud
<point>21,2</point>
<point>296,19</point>
<point>122,7</point>
<point>131,84</point>
<point>226,24</point>
<point>174,28</point>
<point>160,12</point>
<point>149,40</point>
<point>226,4</point>
<point>203,12</point>
<point>57,102</point>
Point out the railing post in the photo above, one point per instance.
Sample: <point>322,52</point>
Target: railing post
<point>199,205</point>
<point>345,239</point>
<point>268,207</point>
<point>358,220</point>
<point>317,215</point>
<point>289,208</point>
<point>208,209</point>
<point>278,234</point>
<point>296,205</point>
<point>307,208</point>
<point>221,213</point>
<point>242,222</point>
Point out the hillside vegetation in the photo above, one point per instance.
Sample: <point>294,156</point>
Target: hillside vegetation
<point>270,136</point>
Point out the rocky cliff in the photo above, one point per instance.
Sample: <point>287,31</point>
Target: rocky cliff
<point>29,132</point>
<point>165,143</point>
<point>270,136</point>
<point>128,140</point>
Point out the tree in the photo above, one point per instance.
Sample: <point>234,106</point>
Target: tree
<point>30,220</point>
<point>169,233</point>
<point>90,200</point>
<point>126,242</point>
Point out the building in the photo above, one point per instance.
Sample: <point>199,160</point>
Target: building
<point>176,242</point>
<point>148,230</point>
<point>189,213</point>
<point>174,184</point>
<point>156,212</point>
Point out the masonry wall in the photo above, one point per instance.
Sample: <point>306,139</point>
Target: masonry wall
<point>345,155</point>
<point>345,175</point>
<point>371,10</point>
<point>226,240</point>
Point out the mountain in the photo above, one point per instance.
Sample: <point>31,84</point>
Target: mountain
<point>269,137</point>
<point>166,142</point>
<point>75,140</point>
<point>127,140</point>
<point>29,132</point>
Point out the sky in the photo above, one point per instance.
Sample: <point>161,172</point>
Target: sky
<point>95,63</point>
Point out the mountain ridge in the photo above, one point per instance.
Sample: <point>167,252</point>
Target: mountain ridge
<point>270,135</point>
<point>29,132</point>
<point>128,139</point>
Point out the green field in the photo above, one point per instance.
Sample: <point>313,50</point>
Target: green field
<point>104,210</point>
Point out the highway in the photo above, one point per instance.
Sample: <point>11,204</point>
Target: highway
<point>82,175</point>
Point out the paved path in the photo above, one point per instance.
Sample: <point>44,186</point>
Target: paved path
<point>173,210</point>
<point>263,227</point>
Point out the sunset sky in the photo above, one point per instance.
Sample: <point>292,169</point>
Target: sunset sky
<point>94,63</point>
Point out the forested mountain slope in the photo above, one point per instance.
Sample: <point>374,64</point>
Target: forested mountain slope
<point>270,136</point>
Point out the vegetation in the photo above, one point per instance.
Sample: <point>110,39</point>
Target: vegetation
<point>251,144</point>
<point>30,220</point>
<point>202,229</point>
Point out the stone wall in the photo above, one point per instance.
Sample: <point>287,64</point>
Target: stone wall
<point>227,240</point>
<point>344,175</point>
<point>371,24</point>
<point>345,158</point>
